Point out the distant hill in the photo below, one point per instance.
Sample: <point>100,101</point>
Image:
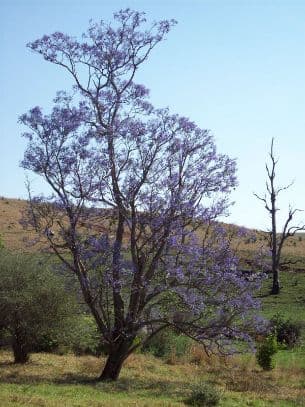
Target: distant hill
<point>14,236</point>
<point>11,231</point>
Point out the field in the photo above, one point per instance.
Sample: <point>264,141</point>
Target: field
<point>52,380</point>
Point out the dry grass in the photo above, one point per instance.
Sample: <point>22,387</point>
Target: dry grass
<point>11,231</point>
<point>14,235</point>
<point>146,381</point>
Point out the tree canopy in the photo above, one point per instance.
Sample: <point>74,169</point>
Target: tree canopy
<point>136,194</point>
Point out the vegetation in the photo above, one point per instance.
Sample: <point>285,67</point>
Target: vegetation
<point>266,351</point>
<point>288,332</point>
<point>36,312</point>
<point>290,303</point>
<point>173,379</point>
<point>164,290</point>
<point>203,394</point>
<point>53,380</point>
<point>147,179</point>
<point>277,240</point>
<point>15,237</point>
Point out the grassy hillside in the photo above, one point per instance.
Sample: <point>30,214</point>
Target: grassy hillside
<point>15,237</point>
<point>291,301</point>
<point>54,380</point>
<point>11,231</point>
<point>50,380</point>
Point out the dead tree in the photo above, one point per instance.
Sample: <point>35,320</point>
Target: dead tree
<point>277,240</point>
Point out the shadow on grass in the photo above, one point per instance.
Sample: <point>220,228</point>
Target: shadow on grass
<point>7,363</point>
<point>155,387</point>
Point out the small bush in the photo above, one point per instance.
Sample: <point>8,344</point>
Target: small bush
<point>266,351</point>
<point>287,332</point>
<point>36,309</point>
<point>84,337</point>
<point>45,343</point>
<point>168,344</point>
<point>203,394</point>
<point>159,345</point>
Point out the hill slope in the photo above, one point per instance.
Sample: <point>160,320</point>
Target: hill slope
<point>11,231</point>
<point>14,236</point>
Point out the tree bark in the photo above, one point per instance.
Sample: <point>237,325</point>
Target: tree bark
<point>113,366</point>
<point>275,282</point>
<point>21,354</point>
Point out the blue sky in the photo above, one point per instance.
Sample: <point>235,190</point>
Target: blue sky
<point>235,67</point>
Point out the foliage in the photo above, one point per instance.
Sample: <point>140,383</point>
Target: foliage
<point>85,338</point>
<point>35,309</point>
<point>46,342</point>
<point>132,185</point>
<point>266,351</point>
<point>287,331</point>
<point>166,343</point>
<point>204,395</point>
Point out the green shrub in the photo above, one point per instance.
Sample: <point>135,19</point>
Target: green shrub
<point>287,332</point>
<point>84,337</point>
<point>159,344</point>
<point>46,342</point>
<point>204,394</point>
<point>167,343</point>
<point>266,351</point>
<point>36,309</point>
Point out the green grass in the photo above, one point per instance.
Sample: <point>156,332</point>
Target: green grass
<point>291,300</point>
<point>53,380</point>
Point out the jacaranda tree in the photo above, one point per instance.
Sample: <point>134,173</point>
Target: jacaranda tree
<point>136,192</point>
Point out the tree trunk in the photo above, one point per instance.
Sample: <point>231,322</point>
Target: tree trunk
<point>113,366</point>
<point>21,354</point>
<point>275,282</point>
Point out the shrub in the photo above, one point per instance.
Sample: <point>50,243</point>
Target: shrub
<point>168,344</point>
<point>159,344</point>
<point>46,342</point>
<point>36,310</point>
<point>266,351</point>
<point>287,332</point>
<point>85,338</point>
<point>203,394</point>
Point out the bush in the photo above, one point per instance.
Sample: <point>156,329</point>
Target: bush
<point>204,394</point>
<point>158,344</point>
<point>85,338</point>
<point>168,344</point>
<point>287,332</point>
<point>36,310</point>
<point>46,342</point>
<point>266,351</point>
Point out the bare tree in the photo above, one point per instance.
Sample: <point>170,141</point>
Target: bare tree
<point>277,240</point>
